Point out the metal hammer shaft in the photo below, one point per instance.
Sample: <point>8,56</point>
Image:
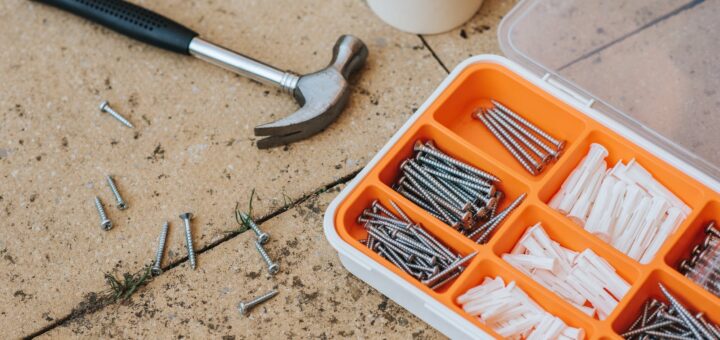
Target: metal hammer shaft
<point>242,65</point>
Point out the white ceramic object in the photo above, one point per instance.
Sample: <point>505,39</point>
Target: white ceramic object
<point>425,16</point>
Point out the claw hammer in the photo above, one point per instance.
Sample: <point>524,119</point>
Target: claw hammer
<point>322,95</point>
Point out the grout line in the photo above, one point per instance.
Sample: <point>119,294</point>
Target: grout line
<point>433,54</point>
<point>74,314</point>
<point>653,22</point>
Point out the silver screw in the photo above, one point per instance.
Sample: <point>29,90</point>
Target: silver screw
<point>262,236</point>
<point>480,115</point>
<point>552,152</point>
<point>690,321</point>
<point>120,202</point>
<point>272,267</point>
<point>536,166</point>
<point>491,225</point>
<point>105,223</point>
<point>105,107</point>
<point>467,167</point>
<point>455,266</point>
<point>156,269</point>
<point>438,187</point>
<point>647,328</point>
<point>245,307</point>
<point>544,157</point>
<point>557,143</point>
<point>710,229</point>
<point>188,238</point>
<point>399,211</point>
<point>476,182</point>
<point>426,195</point>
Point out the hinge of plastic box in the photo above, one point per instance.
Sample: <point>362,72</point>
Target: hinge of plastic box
<point>558,83</point>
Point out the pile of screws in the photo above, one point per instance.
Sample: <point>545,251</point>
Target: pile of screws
<point>624,205</point>
<point>523,139</point>
<point>510,312</point>
<point>409,247</point>
<point>581,278</point>
<point>660,321</point>
<point>105,222</point>
<point>458,194</point>
<point>703,266</point>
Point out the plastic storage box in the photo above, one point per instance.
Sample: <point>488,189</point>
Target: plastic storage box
<point>552,43</point>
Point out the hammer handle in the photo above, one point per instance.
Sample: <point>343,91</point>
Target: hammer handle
<point>132,21</point>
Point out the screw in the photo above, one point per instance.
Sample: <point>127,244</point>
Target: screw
<point>105,107</point>
<point>120,202</point>
<point>504,142</point>
<point>544,157</point>
<point>262,236</point>
<point>558,144</point>
<point>272,267</point>
<point>661,335</point>
<point>441,275</point>
<point>710,229</point>
<point>399,211</point>
<point>536,166</point>
<point>477,182</point>
<point>188,239</point>
<point>490,225</point>
<point>245,307</point>
<point>156,270</point>
<point>690,322</point>
<point>425,195</point>
<point>376,206</point>
<point>647,328</point>
<point>469,168</point>
<point>412,169</point>
<point>105,223</point>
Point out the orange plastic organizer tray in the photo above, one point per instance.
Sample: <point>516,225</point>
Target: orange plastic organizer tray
<point>448,121</point>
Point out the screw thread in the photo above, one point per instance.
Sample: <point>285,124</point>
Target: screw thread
<point>260,299</point>
<point>251,223</point>
<point>512,141</point>
<point>434,184</point>
<point>189,243</point>
<point>471,181</point>
<point>119,117</point>
<point>111,183</point>
<point>529,125</point>
<point>100,209</point>
<point>488,124</point>
<point>439,154</point>
<point>160,247</point>
<point>264,254</point>
<point>514,131</point>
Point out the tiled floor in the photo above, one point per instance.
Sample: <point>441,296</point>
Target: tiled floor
<point>193,150</point>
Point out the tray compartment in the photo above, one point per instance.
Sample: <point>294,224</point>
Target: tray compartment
<point>478,84</point>
<point>690,296</point>
<point>494,267</point>
<point>693,235</point>
<point>569,236</point>
<point>389,167</point>
<point>356,232</point>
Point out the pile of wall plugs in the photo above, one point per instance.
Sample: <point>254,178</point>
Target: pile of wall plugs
<point>512,314</point>
<point>623,205</point>
<point>577,277</point>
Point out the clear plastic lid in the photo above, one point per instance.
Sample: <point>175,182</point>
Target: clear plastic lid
<point>652,65</point>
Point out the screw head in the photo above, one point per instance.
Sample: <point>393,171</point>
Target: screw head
<point>156,271</point>
<point>242,308</point>
<point>186,216</point>
<point>106,225</point>
<point>263,238</point>
<point>103,105</point>
<point>274,269</point>
<point>122,206</point>
<point>418,145</point>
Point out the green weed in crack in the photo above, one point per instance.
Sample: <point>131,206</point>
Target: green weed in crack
<point>123,288</point>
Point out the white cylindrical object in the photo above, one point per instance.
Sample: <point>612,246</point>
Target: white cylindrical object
<point>425,16</point>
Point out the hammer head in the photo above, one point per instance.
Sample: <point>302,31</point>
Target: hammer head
<point>322,96</point>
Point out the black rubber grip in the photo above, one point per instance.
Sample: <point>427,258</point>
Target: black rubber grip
<point>131,20</point>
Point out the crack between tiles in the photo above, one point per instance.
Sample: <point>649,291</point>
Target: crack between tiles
<point>434,54</point>
<point>80,310</point>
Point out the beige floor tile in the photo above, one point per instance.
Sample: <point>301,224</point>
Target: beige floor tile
<point>477,36</point>
<point>192,148</point>
<point>317,297</point>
